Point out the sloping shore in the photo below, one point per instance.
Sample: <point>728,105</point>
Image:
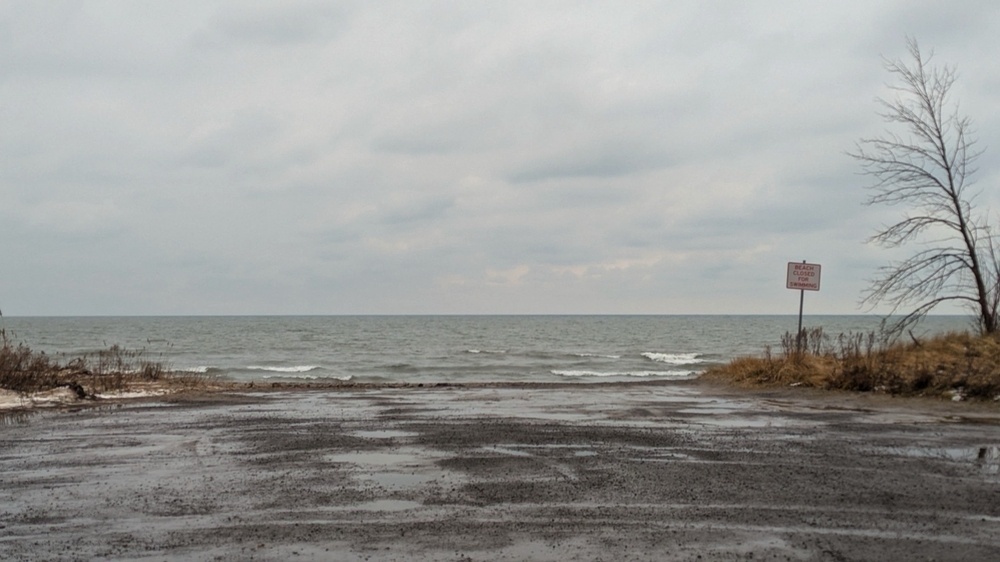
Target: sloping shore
<point>586,472</point>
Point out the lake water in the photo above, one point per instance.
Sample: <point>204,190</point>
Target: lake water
<point>430,349</point>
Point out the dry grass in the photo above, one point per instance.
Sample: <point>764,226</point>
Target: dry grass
<point>114,369</point>
<point>954,364</point>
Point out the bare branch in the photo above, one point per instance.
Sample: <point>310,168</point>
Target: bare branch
<point>927,166</point>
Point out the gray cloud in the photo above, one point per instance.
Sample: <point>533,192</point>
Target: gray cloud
<point>398,157</point>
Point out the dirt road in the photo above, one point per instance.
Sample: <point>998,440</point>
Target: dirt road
<point>660,472</point>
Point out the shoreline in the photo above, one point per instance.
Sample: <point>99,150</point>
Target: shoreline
<point>11,401</point>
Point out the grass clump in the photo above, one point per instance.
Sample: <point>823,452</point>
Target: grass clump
<point>114,369</point>
<point>957,365</point>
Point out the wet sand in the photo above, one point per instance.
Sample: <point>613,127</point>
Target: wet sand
<point>561,472</point>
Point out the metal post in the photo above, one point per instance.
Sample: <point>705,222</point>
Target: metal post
<point>798,334</point>
<point>802,298</point>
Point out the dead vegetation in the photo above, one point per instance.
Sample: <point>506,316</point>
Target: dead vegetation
<point>955,365</point>
<point>114,369</point>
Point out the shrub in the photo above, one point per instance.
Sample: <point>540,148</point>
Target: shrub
<point>949,364</point>
<point>116,368</point>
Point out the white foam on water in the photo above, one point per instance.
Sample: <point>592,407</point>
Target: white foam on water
<point>294,369</point>
<point>572,373</point>
<point>674,358</point>
<point>307,377</point>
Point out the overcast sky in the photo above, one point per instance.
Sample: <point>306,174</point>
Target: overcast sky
<point>409,157</point>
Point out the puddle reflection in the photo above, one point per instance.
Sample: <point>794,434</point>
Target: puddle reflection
<point>987,458</point>
<point>378,458</point>
<point>398,480</point>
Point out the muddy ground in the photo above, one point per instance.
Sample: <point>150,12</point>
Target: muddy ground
<point>684,471</point>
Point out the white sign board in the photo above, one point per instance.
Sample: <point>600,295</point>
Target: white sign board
<point>803,276</point>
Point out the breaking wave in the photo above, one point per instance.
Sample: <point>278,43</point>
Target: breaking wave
<point>674,358</point>
<point>299,376</point>
<point>294,369</point>
<point>674,374</point>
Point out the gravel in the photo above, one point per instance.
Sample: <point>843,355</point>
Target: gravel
<point>684,471</point>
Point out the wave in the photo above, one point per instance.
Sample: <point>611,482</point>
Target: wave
<point>486,351</point>
<point>299,376</point>
<point>597,355</point>
<point>294,369</point>
<point>402,367</point>
<point>675,374</point>
<point>674,358</point>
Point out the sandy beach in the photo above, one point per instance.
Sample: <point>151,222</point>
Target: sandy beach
<point>679,471</point>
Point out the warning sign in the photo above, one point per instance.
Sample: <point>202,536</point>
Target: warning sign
<point>803,276</point>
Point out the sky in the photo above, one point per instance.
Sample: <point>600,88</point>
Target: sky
<point>464,157</point>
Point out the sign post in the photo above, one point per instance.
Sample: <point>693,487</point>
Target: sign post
<point>804,277</point>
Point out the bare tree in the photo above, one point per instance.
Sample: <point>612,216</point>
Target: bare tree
<point>927,167</point>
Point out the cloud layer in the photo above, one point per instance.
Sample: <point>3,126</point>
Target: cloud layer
<point>453,157</point>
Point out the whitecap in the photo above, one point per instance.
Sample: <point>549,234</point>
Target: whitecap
<point>306,377</point>
<point>294,369</point>
<point>598,355</point>
<point>571,373</point>
<point>674,358</point>
<point>485,351</point>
